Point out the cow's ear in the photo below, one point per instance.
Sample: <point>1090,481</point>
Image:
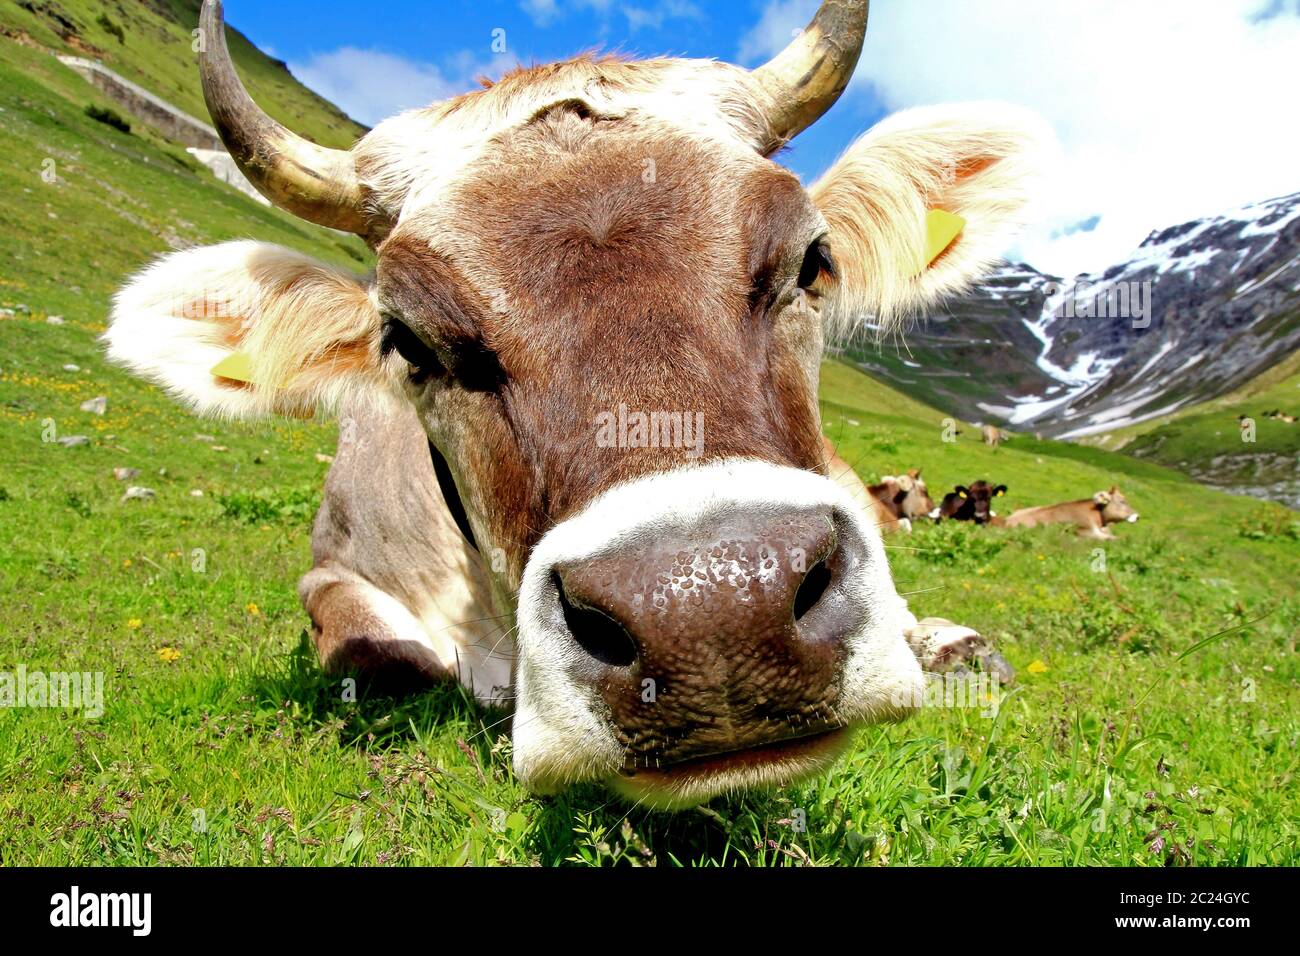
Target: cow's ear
<point>963,491</point>
<point>926,202</point>
<point>245,329</point>
<point>999,491</point>
<point>1102,498</point>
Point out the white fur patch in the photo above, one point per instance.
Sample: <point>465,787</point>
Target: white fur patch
<point>981,161</point>
<point>174,321</point>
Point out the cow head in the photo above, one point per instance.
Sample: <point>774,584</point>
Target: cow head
<point>608,306</point>
<point>1114,506</point>
<point>977,500</point>
<point>908,494</point>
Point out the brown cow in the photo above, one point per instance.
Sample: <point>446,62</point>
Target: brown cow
<point>974,503</point>
<point>580,468</point>
<point>894,502</point>
<point>1090,516</point>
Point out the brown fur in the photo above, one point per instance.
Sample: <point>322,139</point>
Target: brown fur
<point>597,289</point>
<point>1089,516</point>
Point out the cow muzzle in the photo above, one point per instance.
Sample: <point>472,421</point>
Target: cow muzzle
<point>705,630</point>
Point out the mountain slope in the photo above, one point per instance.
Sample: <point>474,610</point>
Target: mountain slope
<point>1198,310</point>
<point>149,42</point>
<point>1208,442</point>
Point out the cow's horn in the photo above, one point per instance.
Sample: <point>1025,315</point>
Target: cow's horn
<point>310,181</point>
<point>806,78</point>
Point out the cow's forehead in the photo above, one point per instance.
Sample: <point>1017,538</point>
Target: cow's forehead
<point>408,162</point>
<point>570,212</point>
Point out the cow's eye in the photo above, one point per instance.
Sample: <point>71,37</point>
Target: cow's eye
<point>397,336</point>
<point>817,262</point>
<point>466,362</point>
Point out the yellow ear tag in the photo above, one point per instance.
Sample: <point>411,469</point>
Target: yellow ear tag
<point>961,494</point>
<point>941,230</point>
<point>238,367</point>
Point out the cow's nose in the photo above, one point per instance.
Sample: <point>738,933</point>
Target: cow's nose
<point>716,641</point>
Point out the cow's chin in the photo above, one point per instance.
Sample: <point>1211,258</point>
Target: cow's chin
<point>759,768</point>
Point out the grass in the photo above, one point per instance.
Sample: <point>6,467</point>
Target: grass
<point>1206,440</point>
<point>151,44</point>
<point>1127,740</point>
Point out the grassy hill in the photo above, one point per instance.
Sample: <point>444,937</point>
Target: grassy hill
<point>1205,440</point>
<point>149,42</point>
<point>220,741</point>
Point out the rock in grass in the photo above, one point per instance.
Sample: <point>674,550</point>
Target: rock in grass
<point>73,441</point>
<point>54,319</point>
<point>998,665</point>
<point>138,493</point>
<point>207,438</point>
<point>96,406</point>
<point>125,474</point>
<point>196,493</point>
<point>71,368</point>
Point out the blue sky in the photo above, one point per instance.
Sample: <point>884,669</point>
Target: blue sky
<point>452,41</point>
<point>1166,110</point>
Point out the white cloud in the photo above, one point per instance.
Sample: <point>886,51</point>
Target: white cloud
<point>371,85</point>
<point>1167,109</point>
<point>780,21</point>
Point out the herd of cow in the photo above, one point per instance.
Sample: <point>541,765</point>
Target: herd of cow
<point>897,501</point>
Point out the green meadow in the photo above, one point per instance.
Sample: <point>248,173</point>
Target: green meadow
<point>1153,720</point>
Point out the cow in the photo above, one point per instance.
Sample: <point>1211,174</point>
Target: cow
<point>1090,516</point>
<point>992,435</point>
<point>899,500</point>
<point>970,504</point>
<point>893,502</point>
<point>575,265</point>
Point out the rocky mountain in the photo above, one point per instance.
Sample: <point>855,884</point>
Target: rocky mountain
<point>1198,310</point>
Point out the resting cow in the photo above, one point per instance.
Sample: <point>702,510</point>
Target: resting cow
<point>971,504</point>
<point>581,467</point>
<point>1090,515</point>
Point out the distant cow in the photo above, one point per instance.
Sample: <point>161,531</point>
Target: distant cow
<point>971,504</point>
<point>993,436</point>
<point>894,502</point>
<point>1090,516</point>
<point>897,501</point>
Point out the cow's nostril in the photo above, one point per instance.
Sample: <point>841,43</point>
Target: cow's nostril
<point>595,631</point>
<point>814,585</point>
